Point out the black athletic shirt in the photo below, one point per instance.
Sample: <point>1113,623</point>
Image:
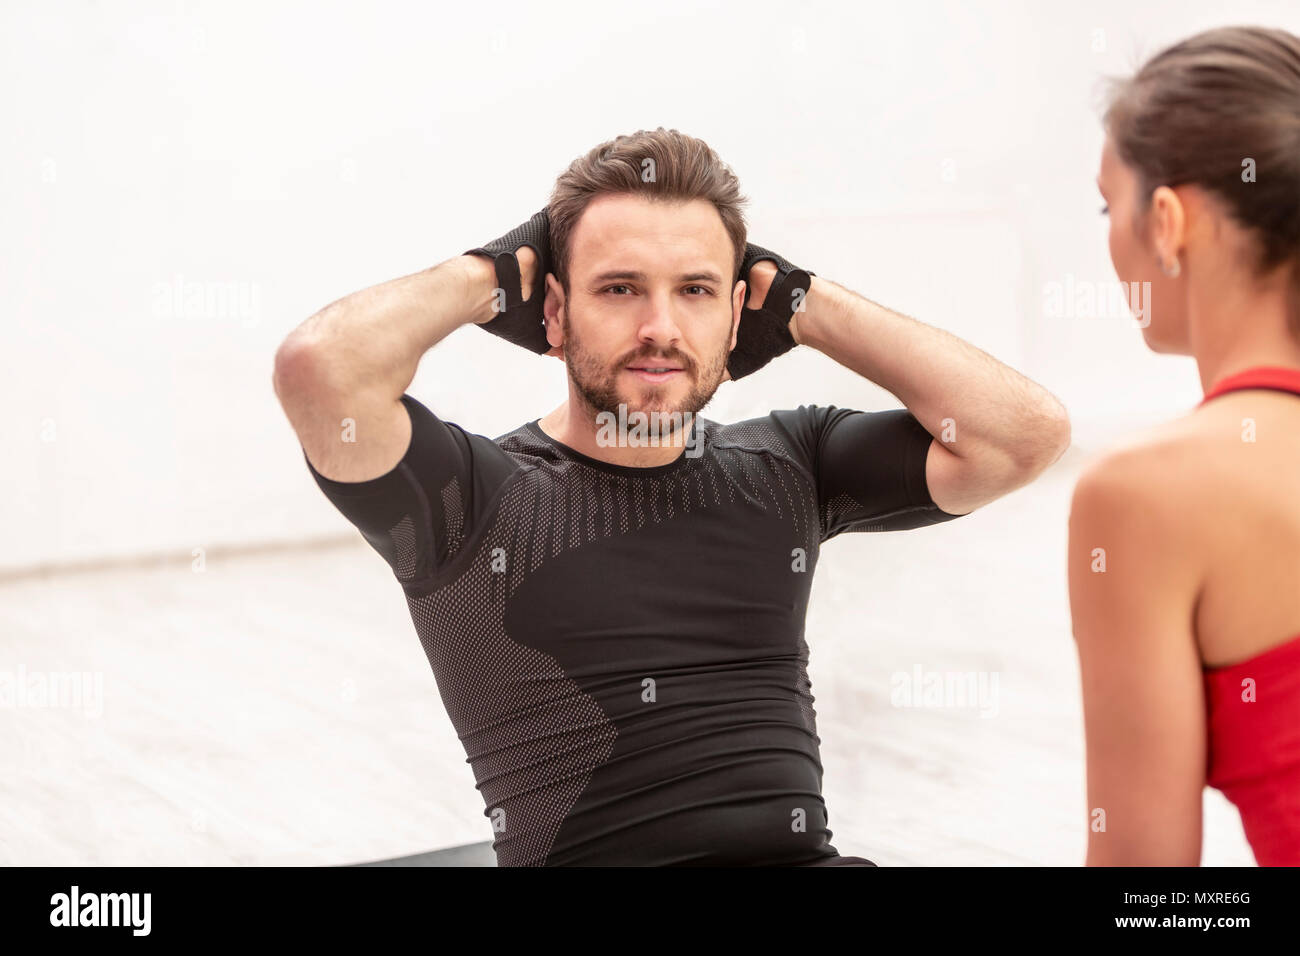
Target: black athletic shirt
<point>621,650</point>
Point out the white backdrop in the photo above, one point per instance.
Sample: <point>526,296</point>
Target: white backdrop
<point>184,183</point>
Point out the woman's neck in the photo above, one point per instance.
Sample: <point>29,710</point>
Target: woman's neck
<point>1239,329</point>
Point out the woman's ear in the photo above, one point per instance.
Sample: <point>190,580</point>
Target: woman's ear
<point>1168,224</point>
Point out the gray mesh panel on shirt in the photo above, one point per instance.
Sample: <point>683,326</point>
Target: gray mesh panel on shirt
<point>531,735</point>
<point>453,514</point>
<point>837,508</point>
<point>403,535</point>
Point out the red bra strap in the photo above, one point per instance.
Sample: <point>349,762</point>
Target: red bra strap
<point>1261,376</point>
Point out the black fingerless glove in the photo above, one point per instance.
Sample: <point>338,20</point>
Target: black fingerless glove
<point>764,333</point>
<point>522,323</point>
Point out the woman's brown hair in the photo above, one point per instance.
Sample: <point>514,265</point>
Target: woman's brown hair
<point>661,164</point>
<point>1198,111</point>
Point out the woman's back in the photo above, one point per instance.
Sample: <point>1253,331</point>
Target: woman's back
<point>1230,471</point>
<point>1189,634</point>
<point>1244,446</point>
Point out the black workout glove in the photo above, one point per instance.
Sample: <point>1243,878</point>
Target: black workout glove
<point>522,323</point>
<point>764,333</point>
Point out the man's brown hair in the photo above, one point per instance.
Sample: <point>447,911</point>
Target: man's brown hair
<point>662,164</point>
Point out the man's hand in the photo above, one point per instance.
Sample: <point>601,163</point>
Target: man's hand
<point>520,318</point>
<point>760,281</point>
<point>528,276</point>
<point>761,274</point>
<point>766,326</point>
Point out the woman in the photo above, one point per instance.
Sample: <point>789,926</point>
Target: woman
<point>1185,546</point>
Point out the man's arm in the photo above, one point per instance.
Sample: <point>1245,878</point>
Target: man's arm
<point>341,375</point>
<point>999,429</point>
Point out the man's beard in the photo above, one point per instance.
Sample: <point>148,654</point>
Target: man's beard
<point>597,381</point>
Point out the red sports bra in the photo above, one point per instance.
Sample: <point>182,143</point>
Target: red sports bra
<point>1253,710</point>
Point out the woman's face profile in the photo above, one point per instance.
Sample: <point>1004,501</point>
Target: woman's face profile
<point>1134,257</point>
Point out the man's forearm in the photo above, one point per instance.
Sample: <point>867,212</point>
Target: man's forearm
<point>961,394</point>
<point>377,336</point>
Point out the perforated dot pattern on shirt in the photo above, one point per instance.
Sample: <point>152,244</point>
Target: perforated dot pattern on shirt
<point>838,508</point>
<point>453,514</point>
<point>531,735</point>
<point>403,535</point>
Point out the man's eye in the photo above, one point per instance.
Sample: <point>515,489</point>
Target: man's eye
<point>703,289</point>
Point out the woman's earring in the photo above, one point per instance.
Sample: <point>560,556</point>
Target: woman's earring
<point>1172,271</point>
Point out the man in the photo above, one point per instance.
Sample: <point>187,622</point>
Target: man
<point>615,624</point>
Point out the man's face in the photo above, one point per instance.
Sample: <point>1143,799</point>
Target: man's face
<point>649,288</point>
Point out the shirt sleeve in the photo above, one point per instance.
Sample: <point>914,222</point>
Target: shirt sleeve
<point>420,514</point>
<point>869,467</point>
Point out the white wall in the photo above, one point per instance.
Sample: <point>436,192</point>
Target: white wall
<point>937,157</point>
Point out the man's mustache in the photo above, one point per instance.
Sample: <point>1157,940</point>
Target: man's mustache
<point>648,360</point>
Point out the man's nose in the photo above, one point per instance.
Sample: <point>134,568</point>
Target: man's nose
<point>657,322</point>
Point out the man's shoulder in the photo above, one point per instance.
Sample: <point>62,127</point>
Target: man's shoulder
<point>778,420</point>
<point>791,435</point>
<point>519,441</point>
<point>793,432</point>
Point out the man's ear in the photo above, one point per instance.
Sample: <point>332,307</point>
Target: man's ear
<point>551,310</point>
<point>737,307</point>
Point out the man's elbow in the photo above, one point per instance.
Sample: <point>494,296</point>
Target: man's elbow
<point>287,369</point>
<point>1043,442</point>
<point>300,368</point>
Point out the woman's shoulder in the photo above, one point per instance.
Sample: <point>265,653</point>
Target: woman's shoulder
<point>1157,461</point>
<point>1152,494</point>
<point>1198,452</point>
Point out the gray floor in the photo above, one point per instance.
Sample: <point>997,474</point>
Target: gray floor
<point>473,854</point>
<point>276,708</point>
